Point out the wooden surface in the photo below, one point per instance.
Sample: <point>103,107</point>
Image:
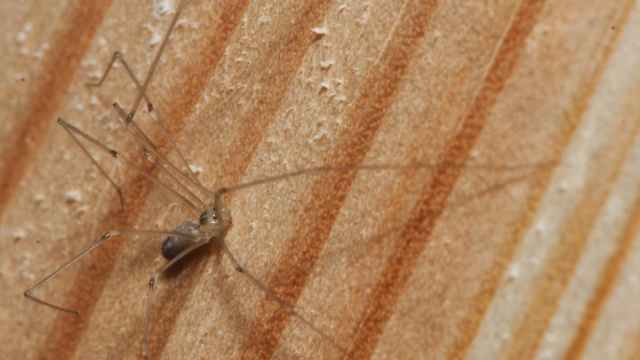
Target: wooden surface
<point>517,238</point>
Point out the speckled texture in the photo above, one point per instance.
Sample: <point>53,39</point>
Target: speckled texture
<point>515,237</point>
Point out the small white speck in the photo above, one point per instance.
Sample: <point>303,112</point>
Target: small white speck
<point>163,7</point>
<point>563,187</point>
<point>93,100</point>
<point>73,196</point>
<point>155,39</point>
<point>264,19</point>
<point>38,53</point>
<point>325,85</point>
<point>326,64</point>
<point>156,35</point>
<point>90,61</point>
<point>514,272</point>
<point>321,133</point>
<point>196,169</point>
<point>18,234</point>
<point>95,74</point>
<point>534,261</point>
<point>539,228</point>
<point>364,18</point>
<point>321,30</point>
<point>38,198</point>
<point>546,354</point>
<point>79,106</point>
<point>191,24</point>
<point>21,37</point>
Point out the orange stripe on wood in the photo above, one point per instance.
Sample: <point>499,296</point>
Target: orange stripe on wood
<point>291,49</point>
<point>328,194</point>
<point>490,284</point>
<point>417,232</point>
<point>69,46</point>
<point>65,334</point>
<point>606,284</point>
<point>559,269</point>
<point>561,264</point>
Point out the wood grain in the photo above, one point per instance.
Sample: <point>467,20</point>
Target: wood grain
<point>515,238</point>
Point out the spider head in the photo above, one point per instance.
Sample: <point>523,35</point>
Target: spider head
<point>209,216</point>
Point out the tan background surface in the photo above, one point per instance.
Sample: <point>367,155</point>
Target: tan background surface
<point>518,241</point>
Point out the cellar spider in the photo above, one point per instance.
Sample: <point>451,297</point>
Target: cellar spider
<point>212,219</point>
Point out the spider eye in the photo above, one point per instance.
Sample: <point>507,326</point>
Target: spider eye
<point>208,217</point>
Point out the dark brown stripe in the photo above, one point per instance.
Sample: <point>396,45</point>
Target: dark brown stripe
<point>70,43</point>
<point>608,281</point>
<point>491,283</point>
<point>420,225</point>
<point>327,194</point>
<point>65,334</point>
<point>284,58</point>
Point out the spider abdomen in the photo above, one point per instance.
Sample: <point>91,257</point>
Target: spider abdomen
<point>175,244</point>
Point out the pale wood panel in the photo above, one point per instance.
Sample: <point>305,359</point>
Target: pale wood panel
<point>525,110</point>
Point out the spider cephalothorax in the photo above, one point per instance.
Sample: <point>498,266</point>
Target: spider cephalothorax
<point>209,216</point>
<point>211,225</point>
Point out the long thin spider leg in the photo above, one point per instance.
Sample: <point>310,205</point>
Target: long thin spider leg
<point>181,156</point>
<point>29,292</point>
<point>367,246</point>
<point>180,184</point>
<point>154,149</point>
<point>70,130</point>
<point>166,187</point>
<point>271,294</point>
<point>86,250</point>
<point>156,61</point>
<point>117,56</point>
<point>489,188</point>
<point>152,286</point>
<point>116,155</point>
<point>319,170</point>
<point>151,147</point>
<point>218,200</point>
